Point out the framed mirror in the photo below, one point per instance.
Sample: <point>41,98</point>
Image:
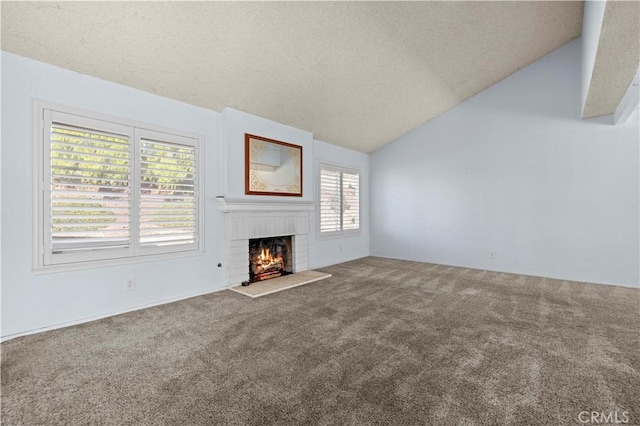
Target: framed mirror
<point>272,167</point>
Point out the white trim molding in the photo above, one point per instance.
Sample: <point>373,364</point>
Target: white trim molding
<point>109,314</point>
<point>228,205</point>
<point>321,165</point>
<point>247,219</point>
<point>46,258</point>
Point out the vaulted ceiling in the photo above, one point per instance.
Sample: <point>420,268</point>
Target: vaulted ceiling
<point>356,74</point>
<point>617,57</point>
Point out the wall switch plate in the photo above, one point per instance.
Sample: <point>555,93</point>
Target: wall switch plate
<point>493,254</point>
<point>130,284</point>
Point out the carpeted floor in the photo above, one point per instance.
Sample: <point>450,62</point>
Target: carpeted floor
<point>381,342</point>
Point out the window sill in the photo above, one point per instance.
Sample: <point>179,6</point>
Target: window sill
<point>343,234</point>
<point>80,266</point>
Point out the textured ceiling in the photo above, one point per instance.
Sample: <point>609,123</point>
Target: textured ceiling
<point>617,58</point>
<point>356,74</point>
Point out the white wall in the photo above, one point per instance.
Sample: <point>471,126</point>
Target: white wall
<point>234,125</point>
<point>34,301</point>
<point>30,300</point>
<point>515,170</point>
<point>592,18</point>
<point>322,251</point>
<point>0,192</point>
<point>325,251</point>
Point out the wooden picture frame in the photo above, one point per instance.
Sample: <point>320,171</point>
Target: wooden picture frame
<point>272,167</point>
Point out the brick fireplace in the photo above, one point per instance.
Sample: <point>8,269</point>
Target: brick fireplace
<point>250,220</point>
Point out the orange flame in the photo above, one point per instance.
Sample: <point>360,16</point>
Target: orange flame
<point>265,256</point>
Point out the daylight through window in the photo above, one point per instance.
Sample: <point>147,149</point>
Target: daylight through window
<point>111,190</point>
<point>339,200</point>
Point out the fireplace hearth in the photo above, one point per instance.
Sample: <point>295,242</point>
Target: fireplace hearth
<point>270,258</point>
<point>250,219</point>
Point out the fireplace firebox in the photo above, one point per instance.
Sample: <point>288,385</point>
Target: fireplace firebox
<point>270,258</point>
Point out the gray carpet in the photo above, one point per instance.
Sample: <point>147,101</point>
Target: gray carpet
<point>381,342</point>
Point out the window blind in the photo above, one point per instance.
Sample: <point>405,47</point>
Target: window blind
<point>350,201</point>
<point>339,201</point>
<point>330,215</point>
<point>168,211</point>
<point>111,190</point>
<point>90,189</point>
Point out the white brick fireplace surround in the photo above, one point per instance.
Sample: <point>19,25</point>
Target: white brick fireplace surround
<point>245,219</point>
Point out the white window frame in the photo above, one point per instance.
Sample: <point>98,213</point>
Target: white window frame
<point>342,232</point>
<point>134,129</point>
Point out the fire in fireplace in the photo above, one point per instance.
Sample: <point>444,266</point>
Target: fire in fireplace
<point>269,258</point>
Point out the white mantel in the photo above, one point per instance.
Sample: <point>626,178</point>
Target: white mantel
<point>246,219</point>
<point>228,205</point>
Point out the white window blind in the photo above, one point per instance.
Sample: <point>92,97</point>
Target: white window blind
<point>168,205</point>
<point>111,190</point>
<point>339,200</point>
<point>330,200</point>
<point>350,201</point>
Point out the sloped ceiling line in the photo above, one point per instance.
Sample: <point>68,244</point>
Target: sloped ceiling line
<point>356,74</point>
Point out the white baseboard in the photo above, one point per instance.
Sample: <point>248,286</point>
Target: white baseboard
<point>108,314</point>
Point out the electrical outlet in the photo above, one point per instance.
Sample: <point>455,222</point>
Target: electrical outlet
<point>493,254</point>
<point>130,284</point>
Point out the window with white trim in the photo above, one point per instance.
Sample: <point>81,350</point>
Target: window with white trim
<point>339,200</point>
<point>112,190</point>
